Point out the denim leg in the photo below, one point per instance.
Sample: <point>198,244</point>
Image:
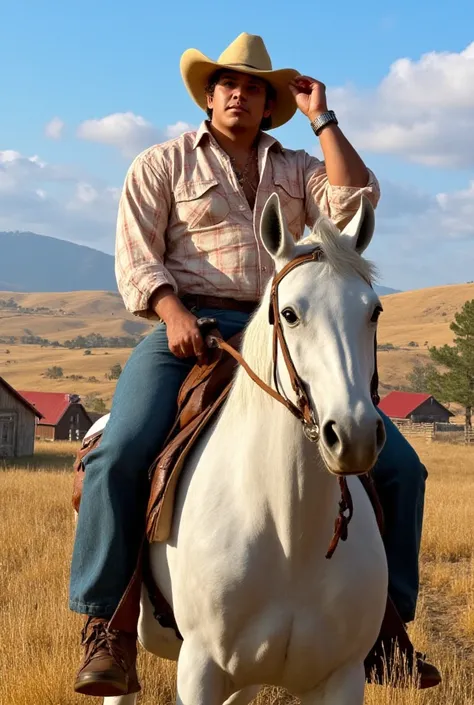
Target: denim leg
<point>115,492</point>
<point>400,480</point>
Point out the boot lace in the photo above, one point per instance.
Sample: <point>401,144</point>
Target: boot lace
<point>96,636</point>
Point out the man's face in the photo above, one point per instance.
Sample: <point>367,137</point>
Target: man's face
<point>239,101</point>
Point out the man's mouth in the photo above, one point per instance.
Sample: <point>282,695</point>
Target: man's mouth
<point>237,108</point>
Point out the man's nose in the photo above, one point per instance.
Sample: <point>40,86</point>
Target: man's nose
<point>239,92</point>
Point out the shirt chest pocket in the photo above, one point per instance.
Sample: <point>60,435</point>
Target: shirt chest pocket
<point>292,200</point>
<point>199,205</point>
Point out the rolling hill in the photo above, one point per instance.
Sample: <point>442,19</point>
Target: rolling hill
<point>411,320</point>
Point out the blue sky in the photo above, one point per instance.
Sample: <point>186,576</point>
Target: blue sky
<point>400,78</point>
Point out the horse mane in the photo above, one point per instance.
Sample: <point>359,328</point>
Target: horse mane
<point>256,343</point>
<point>342,258</point>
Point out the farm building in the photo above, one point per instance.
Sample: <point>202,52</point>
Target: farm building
<point>418,408</point>
<point>64,417</point>
<point>18,420</point>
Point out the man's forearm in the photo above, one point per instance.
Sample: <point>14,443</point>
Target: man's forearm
<point>166,304</point>
<point>344,167</point>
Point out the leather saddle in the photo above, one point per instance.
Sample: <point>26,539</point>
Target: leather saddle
<point>201,396</point>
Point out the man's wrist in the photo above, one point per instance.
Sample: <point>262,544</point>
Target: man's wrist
<point>325,119</point>
<point>314,114</point>
<point>165,303</point>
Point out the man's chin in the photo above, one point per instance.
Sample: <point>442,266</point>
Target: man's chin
<point>240,120</point>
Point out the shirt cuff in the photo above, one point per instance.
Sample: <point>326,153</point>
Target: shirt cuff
<point>344,201</point>
<point>137,292</point>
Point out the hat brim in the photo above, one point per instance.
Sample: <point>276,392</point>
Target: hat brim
<point>196,69</point>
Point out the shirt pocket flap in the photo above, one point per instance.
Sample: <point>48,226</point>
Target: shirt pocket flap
<point>295,189</point>
<point>191,190</point>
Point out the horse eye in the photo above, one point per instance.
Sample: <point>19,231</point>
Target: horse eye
<point>376,314</point>
<point>290,316</point>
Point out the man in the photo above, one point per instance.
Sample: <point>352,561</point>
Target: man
<point>187,246</point>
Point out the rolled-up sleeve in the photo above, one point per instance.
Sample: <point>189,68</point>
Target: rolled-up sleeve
<point>340,203</point>
<point>140,243</point>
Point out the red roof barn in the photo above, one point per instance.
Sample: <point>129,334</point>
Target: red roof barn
<point>17,423</point>
<point>417,407</point>
<point>64,417</point>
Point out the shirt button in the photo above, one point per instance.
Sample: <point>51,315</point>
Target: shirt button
<point>241,208</point>
<point>264,269</point>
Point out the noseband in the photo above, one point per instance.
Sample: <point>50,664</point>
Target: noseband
<point>302,410</point>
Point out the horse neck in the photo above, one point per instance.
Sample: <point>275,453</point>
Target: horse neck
<point>278,471</point>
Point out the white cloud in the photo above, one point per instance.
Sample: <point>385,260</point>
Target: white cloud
<point>128,132</point>
<point>54,129</point>
<point>177,129</point>
<point>51,200</point>
<point>422,239</point>
<point>422,110</point>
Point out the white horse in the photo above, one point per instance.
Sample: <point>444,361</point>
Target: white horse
<point>244,569</point>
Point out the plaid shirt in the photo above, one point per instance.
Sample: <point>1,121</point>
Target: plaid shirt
<point>184,219</point>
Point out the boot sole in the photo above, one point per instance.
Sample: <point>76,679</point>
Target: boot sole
<point>100,685</point>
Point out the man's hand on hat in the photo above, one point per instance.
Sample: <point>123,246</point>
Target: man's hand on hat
<point>310,96</point>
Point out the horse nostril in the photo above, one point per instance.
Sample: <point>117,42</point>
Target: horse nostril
<point>330,436</point>
<point>380,434</point>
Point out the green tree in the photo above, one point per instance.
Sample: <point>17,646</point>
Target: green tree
<point>455,383</point>
<point>54,372</point>
<point>115,371</point>
<point>94,403</point>
<point>421,376</point>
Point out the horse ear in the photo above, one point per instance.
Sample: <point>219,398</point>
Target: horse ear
<point>273,231</point>
<point>360,229</point>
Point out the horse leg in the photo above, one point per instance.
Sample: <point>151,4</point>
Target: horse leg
<point>200,680</point>
<point>121,700</point>
<point>244,696</point>
<point>343,687</point>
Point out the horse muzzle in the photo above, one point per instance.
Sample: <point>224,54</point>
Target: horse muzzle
<point>349,447</point>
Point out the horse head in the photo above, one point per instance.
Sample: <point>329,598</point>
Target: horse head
<point>327,312</point>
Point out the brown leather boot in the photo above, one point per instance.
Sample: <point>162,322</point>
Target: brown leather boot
<point>384,666</point>
<point>109,664</point>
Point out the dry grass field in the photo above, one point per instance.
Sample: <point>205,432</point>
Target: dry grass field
<point>420,317</point>
<point>39,644</point>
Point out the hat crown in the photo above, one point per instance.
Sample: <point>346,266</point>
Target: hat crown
<point>247,50</point>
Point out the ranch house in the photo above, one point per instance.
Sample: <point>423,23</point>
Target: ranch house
<point>63,416</point>
<point>18,419</point>
<point>418,408</point>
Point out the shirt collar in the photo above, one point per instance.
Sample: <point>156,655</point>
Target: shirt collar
<point>266,141</point>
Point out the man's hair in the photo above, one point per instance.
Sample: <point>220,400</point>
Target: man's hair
<point>214,80</point>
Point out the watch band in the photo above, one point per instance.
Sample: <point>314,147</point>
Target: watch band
<point>324,119</point>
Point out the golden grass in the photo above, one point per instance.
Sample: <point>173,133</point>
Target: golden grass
<point>39,645</point>
<point>420,316</point>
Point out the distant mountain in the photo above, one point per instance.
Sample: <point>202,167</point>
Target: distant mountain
<point>37,263</point>
<point>385,290</point>
<point>30,262</point>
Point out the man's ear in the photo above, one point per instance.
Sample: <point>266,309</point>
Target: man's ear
<point>210,100</point>
<point>269,106</point>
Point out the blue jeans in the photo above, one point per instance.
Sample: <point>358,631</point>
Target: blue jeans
<point>115,492</point>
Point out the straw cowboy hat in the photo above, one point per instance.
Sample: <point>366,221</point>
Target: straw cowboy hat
<point>246,54</point>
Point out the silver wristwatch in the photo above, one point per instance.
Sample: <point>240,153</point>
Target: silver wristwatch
<point>324,119</point>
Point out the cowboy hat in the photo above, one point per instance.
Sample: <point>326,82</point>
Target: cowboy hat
<point>246,54</point>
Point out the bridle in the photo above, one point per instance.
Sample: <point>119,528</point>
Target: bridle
<point>302,410</point>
